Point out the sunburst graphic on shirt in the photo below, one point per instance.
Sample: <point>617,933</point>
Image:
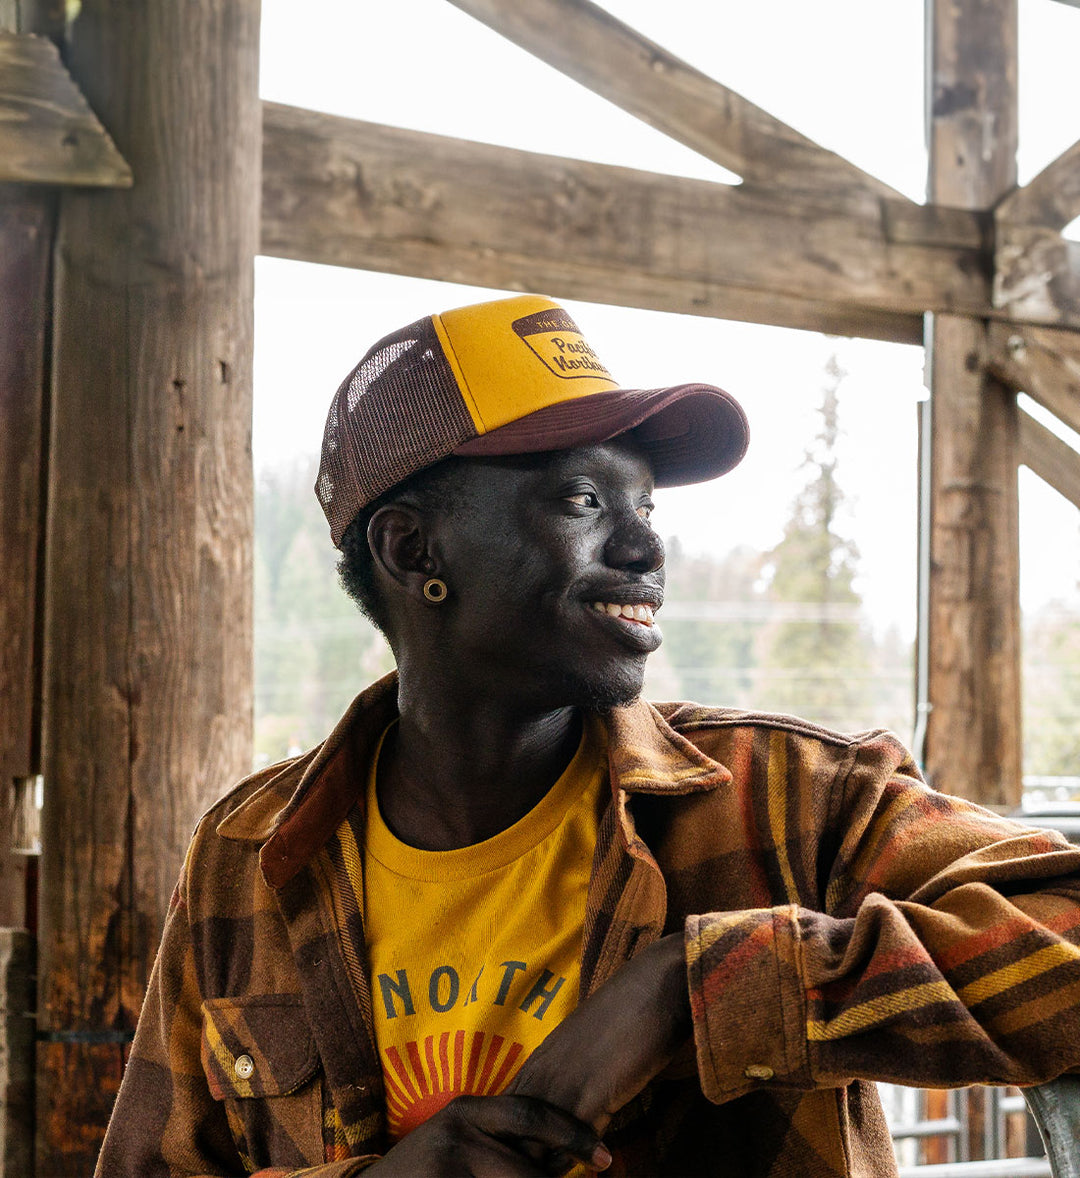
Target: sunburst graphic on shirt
<point>424,1075</point>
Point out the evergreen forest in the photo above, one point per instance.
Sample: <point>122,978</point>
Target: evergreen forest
<point>779,630</point>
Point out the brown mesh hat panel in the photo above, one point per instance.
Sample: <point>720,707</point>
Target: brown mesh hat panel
<point>398,411</point>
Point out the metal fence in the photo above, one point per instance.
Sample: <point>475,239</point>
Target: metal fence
<point>964,1133</point>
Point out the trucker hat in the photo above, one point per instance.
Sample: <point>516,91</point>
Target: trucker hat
<point>513,376</point>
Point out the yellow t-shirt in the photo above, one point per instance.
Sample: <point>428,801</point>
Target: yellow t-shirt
<point>475,953</point>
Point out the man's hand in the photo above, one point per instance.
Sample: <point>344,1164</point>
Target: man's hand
<point>494,1137</point>
<point>617,1040</point>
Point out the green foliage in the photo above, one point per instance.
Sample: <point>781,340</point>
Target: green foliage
<point>1052,692</point>
<point>779,631</point>
<point>313,649</point>
<point>711,619</point>
<point>784,630</point>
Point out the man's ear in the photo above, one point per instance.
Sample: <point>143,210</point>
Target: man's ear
<point>398,539</point>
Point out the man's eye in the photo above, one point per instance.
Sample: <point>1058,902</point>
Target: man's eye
<point>584,499</point>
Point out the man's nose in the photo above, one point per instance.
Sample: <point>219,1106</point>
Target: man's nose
<point>634,545</point>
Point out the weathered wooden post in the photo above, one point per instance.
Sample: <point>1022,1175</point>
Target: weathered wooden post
<point>17,1002</point>
<point>147,681</point>
<point>25,240</point>
<point>973,735</point>
<point>27,217</point>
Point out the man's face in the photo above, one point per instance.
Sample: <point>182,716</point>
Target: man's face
<point>554,574</point>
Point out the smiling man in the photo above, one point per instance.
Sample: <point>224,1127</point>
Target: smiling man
<point>509,919</point>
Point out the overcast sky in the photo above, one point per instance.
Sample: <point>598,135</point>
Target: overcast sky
<point>847,73</point>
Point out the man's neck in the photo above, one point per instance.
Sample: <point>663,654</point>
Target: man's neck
<point>456,771</point>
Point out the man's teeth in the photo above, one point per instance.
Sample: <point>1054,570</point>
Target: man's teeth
<point>635,613</point>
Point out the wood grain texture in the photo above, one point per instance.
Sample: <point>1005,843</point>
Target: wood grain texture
<point>17,1003</point>
<point>26,227</point>
<point>48,133</point>
<point>973,111</point>
<point>1051,199</point>
<point>349,193</point>
<point>1036,274</point>
<point>973,736</point>
<point>148,690</point>
<point>591,46</point>
<point>1041,362</point>
<point>1053,460</point>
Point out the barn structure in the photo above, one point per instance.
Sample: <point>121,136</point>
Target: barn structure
<point>139,177</point>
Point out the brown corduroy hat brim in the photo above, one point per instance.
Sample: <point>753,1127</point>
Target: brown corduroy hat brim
<point>690,432</point>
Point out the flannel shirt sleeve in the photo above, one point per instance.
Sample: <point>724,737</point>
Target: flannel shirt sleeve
<point>945,952</point>
<point>166,1123</point>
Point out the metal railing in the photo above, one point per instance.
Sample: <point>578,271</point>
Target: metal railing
<point>971,1136</point>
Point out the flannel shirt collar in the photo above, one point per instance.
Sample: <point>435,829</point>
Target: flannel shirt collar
<point>296,811</point>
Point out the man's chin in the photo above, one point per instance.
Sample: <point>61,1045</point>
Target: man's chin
<point>601,694</point>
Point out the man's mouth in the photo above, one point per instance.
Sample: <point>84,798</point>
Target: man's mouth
<point>641,614</point>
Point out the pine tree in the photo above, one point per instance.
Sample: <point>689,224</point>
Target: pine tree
<point>1052,692</point>
<point>710,627</point>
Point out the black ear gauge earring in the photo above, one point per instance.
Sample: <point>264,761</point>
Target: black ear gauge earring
<point>435,590</point>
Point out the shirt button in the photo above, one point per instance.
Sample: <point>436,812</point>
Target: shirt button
<point>244,1066</point>
<point>759,1071</point>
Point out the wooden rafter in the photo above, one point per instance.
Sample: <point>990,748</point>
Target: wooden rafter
<point>1053,460</point>
<point>1041,362</point>
<point>1036,275</point>
<point>1036,270</point>
<point>1052,198</point>
<point>349,193</point>
<point>48,133</point>
<point>587,43</point>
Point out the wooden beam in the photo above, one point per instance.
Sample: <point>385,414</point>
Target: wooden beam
<point>1041,362</point>
<point>972,95</point>
<point>349,193</point>
<point>590,45</point>
<point>18,994</point>
<point>148,671</point>
<point>26,228</point>
<point>1053,460</point>
<point>973,735</point>
<point>1036,274</point>
<point>48,133</point>
<point>1051,199</point>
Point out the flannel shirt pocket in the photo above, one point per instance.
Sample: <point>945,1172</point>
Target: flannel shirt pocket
<point>260,1059</point>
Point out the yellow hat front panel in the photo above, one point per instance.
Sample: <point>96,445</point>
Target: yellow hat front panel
<point>515,356</point>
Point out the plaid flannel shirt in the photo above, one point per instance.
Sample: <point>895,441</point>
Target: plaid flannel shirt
<point>842,922</point>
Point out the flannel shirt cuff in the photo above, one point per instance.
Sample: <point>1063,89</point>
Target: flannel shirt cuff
<point>345,1169</point>
<point>747,1001</point>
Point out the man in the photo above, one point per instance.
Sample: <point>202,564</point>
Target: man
<point>509,919</point>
